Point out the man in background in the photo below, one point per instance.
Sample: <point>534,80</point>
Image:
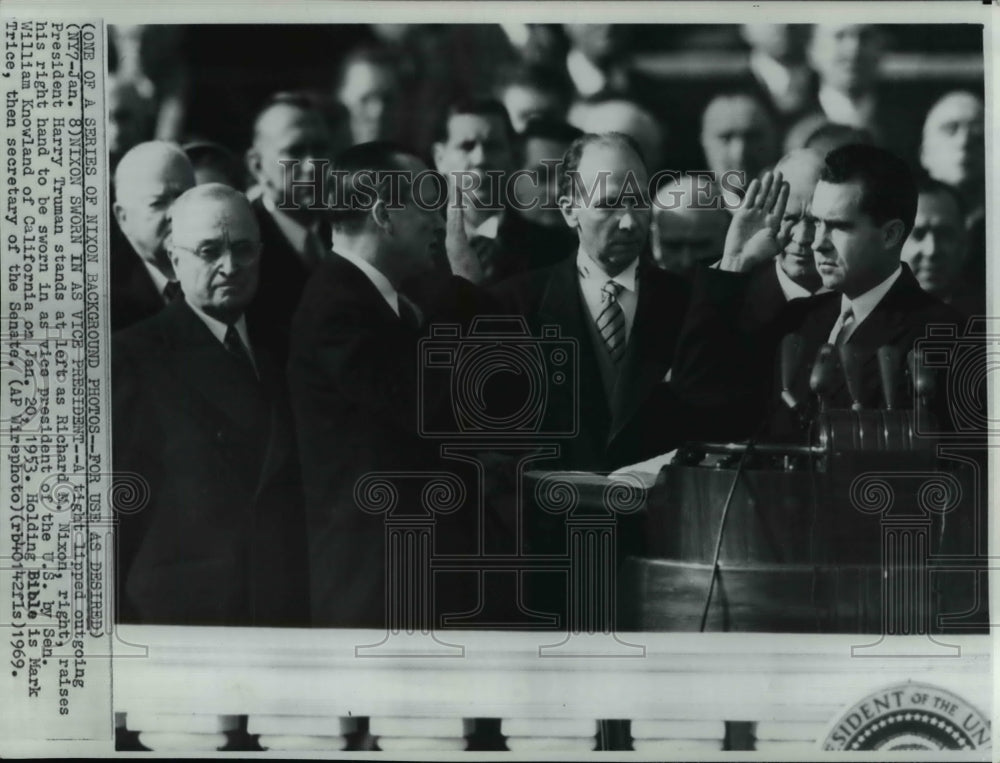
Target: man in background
<point>778,66</point>
<point>543,144</point>
<point>476,150</point>
<point>689,225</point>
<point>292,146</point>
<point>737,136</point>
<point>369,87</point>
<point>533,92</point>
<point>936,248</point>
<point>147,181</point>
<point>847,58</point>
<point>953,151</point>
<point>793,273</point>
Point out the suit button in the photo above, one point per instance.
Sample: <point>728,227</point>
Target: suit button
<point>219,436</point>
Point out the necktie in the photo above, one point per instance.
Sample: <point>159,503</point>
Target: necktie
<point>235,346</point>
<point>172,291</point>
<point>846,321</point>
<point>611,321</point>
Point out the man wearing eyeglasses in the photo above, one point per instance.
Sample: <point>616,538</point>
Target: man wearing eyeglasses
<point>200,416</point>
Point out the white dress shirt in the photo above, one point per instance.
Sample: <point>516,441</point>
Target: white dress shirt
<point>592,280</point>
<point>219,329</point>
<point>863,305</point>
<point>792,290</point>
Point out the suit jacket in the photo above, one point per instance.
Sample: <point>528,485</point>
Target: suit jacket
<point>899,320</point>
<point>645,415</point>
<point>222,539</point>
<point>134,296</point>
<point>283,277</point>
<point>353,374</point>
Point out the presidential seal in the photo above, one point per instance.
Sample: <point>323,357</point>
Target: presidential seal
<point>910,716</point>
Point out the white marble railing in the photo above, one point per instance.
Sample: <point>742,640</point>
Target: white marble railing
<point>307,689</point>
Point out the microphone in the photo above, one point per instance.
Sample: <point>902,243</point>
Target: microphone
<point>823,375</point>
<point>850,361</point>
<point>791,355</point>
<point>888,366</point>
<point>924,381</point>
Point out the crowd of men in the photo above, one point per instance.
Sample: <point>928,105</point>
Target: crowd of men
<point>268,313</point>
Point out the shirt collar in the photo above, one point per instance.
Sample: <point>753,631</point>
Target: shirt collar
<point>588,79</point>
<point>379,281</point>
<point>791,289</point>
<point>591,271</point>
<point>862,306</point>
<point>218,328</point>
<point>841,109</point>
<point>292,229</point>
<point>488,228</point>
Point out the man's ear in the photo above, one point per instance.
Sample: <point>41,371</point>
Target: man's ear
<point>568,210</point>
<point>893,234</point>
<point>120,215</point>
<point>253,162</point>
<point>168,245</point>
<point>380,214</point>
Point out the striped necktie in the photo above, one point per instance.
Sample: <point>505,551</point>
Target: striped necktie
<point>840,336</point>
<point>611,321</point>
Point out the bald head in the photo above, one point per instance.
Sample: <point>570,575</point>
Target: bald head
<point>147,181</point>
<point>953,146</point>
<point>215,249</point>
<point>150,161</point>
<point>801,169</point>
<point>218,198</point>
<point>689,226</point>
